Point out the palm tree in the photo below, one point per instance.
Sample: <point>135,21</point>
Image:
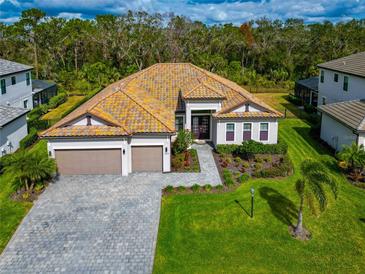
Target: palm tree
<point>28,168</point>
<point>311,188</point>
<point>353,156</point>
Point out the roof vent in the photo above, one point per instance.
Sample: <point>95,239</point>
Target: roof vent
<point>344,63</point>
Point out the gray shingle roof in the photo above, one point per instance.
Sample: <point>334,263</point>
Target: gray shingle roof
<point>350,113</point>
<point>9,67</point>
<point>311,83</point>
<point>8,114</point>
<point>352,64</point>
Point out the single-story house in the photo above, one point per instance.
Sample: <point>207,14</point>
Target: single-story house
<point>42,91</point>
<point>128,126</point>
<point>343,123</point>
<point>13,128</point>
<point>307,90</point>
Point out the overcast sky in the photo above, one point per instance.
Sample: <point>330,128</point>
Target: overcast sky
<point>208,11</point>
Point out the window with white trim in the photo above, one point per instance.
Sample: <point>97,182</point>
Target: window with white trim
<point>230,132</point>
<point>27,78</point>
<point>264,131</point>
<point>179,123</point>
<point>3,86</point>
<point>247,131</point>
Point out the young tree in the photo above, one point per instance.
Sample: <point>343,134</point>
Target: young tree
<point>354,157</point>
<point>310,188</point>
<point>29,168</point>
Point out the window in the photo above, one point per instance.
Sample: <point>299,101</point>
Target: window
<point>264,131</point>
<point>3,86</point>
<point>345,83</point>
<point>323,100</point>
<point>13,80</point>
<point>247,131</point>
<point>322,76</point>
<point>247,108</point>
<point>25,103</point>
<point>179,123</point>
<point>335,77</point>
<point>230,132</point>
<point>88,120</point>
<point>27,77</point>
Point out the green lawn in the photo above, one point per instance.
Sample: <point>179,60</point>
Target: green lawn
<point>11,212</point>
<point>211,233</point>
<point>57,113</point>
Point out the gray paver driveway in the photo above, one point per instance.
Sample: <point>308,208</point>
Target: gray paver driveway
<point>96,223</point>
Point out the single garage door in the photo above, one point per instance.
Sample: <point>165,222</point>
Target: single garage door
<point>146,158</point>
<point>89,161</point>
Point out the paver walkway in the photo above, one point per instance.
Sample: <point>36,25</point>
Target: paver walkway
<point>105,223</point>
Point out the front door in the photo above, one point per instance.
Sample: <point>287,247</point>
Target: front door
<point>200,126</point>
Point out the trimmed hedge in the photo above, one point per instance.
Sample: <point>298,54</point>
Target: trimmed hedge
<point>79,103</point>
<point>30,139</point>
<point>250,148</point>
<point>57,100</point>
<point>295,100</point>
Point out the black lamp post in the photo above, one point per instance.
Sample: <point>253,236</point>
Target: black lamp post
<point>252,190</point>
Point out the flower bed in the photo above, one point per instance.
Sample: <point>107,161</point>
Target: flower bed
<point>185,161</point>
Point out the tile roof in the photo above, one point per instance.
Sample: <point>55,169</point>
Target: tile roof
<point>146,102</point>
<point>349,113</point>
<point>8,114</point>
<point>9,67</point>
<point>252,114</point>
<point>352,64</point>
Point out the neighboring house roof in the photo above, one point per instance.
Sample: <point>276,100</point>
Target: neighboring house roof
<point>146,102</point>
<point>349,113</point>
<point>40,85</point>
<point>310,83</point>
<point>9,114</point>
<point>352,64</point>
<point>9,67</point>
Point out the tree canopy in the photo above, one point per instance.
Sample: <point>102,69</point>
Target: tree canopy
<point>262,52</point>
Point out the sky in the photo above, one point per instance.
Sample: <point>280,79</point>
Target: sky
<point>207,11</point>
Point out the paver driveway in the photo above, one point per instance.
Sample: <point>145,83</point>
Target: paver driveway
<point>97,223</point>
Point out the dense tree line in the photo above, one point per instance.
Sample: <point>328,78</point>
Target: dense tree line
<point>81,54</point>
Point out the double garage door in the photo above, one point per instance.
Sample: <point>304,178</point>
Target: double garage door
<point>107,161</point>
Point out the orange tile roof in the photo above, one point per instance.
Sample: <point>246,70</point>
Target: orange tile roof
<point>145,102</point>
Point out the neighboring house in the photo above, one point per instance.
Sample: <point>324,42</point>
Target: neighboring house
<point>307,90</point>
<point>342,79</point>
<point>128,126</point>
<point>343,123</point>
<point>43,91</point>
<point>15,85</point>
<point>13,128</point>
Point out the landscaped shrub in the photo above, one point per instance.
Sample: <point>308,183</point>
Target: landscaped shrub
<point>228,178</point>
<point>38,124</point>
<point>183,141</point>
<point>195,188</point>
<point>169,188</point>
<point>219,187</point>
<point>57,100</point>
<point>207,188</point>
<point>243,178</point>
<point>181,188</point>
<point>227,149</point>
<point>281,170</point>
<point>30,139</point>
<point>309,108</point>
<point>294,99</point>
<point>249,148</point>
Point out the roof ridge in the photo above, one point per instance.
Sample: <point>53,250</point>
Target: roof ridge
<point>213,89</point>
<point>133,97</point>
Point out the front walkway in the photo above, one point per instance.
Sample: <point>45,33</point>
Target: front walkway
<point>97,223</point>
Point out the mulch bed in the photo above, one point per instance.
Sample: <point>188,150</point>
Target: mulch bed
<point>22,195</point>
<point>185,162</point>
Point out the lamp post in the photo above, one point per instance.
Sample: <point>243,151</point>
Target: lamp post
<point>252,190</point>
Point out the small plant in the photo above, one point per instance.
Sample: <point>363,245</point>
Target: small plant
<point>169,188</point>
<point>181,188</point>
<point>228,178</point>
<point>243,178</point>
<point>195,188</point>
<point>246,164</point>
<point>38,187</point>
<point>258,166</point>
<point>183,141</point>
<point>25,195</point>
<point>237,159</point>
<point>207,188</point>
<point>219,187</point>
<point>259,159</point>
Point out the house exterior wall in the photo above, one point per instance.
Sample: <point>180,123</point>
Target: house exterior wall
<point>13,133</point>
<point>16,94</point>
<point>336,134</point>
<point>220,126</point>
<point>333,91</point>
<point>190,106</point>
<point>125,144</point>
